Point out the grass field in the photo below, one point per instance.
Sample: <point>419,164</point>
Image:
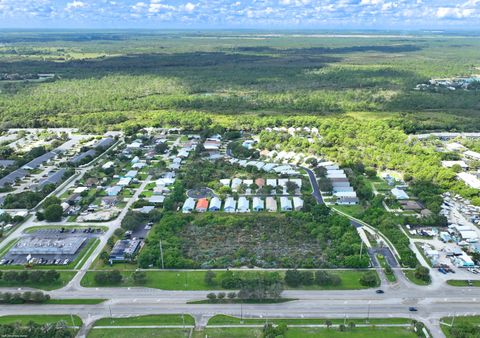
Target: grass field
<point>75,301</point>
<point>137,333</point>
<point>474,320</point>
<point>147,320</point>
<point>40,319</point>
<point>390,276</point>
<point>65,277</point>
<point>459,282</point>
<point>229,320</point>
<point>194,280</point>
<point>376,332</point>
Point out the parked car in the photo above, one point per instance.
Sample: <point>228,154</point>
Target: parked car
<point>412,309</point>
<point>380,291</point>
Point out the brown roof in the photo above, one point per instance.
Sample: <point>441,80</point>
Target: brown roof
<point>260,182</point>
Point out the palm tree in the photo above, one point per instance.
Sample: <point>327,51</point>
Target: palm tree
<point>328,323</point>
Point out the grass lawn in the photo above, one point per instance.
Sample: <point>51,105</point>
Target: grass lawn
<point>75,301</point>
<point>296,332</point>
<point>40,319</point>
<point>458,282</point>
<point>147,320</point>
<point>228,320</point>
<point>136,333</point>
<point>410,274</point>
<point>65,277</point>
<point>194,280</point>
<point>475,320</point>
<point>352,210</point>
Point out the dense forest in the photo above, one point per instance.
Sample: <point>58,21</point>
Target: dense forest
<point>112,79</point>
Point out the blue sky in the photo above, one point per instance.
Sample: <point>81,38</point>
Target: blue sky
<point>294,14</point>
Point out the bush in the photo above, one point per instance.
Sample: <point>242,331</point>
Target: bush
<point>369,279</point>
<point>108,277</point>
<point>422,273</point>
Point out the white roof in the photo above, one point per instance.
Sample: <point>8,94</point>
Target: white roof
<point>165,181</point>
<point>79,190</point>
<point>454,146</point>
<point>335,171</point>
<point>258,203</point>
<point>269,166</point>
<point>468,234</point>
<point>449,164</point>
<point>242,163</point>
<point>225,182</point>
<point>260,165</point>
<point>156,199</point>
<point>346,194</point>
<point>336,176</point>
<point>332,166</point>
<point>472,154</point>
<point>399,194</point>
<point>247,182</point>
<point>297,203</point>
<point>188,205</point>
<point>243,204</point>
<point>215,203</point>
<point>470,180</point>
<point>131,173</point>
<point>230,204</point>
<point>107,165</point>
<point>285,203</point>
<point>282,168</point>
<point>282,182</point>
<point>124,181</point>
<point>236,182</point>
<point>272,182</point>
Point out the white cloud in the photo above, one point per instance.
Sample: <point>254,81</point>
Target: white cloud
<point>189,7</point>
<point>454,13</point>
<point>75,5</point>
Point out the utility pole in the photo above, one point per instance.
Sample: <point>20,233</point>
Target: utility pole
<point>368,312</point>
<point>161,254</point>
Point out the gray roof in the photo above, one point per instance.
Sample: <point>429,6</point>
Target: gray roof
<point>35,163</point>
<point>77,158</point>
<point>13,176</point>
<point>54,178</point>
<point>6,163</point>
<point>104,143</point>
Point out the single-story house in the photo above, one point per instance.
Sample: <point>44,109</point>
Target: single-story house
<point>113,191</point>
<point>189,205</point>
<point>258,204</point>
<point>215,204</point>
<point>399,194</point>
<point>230,205</point>
<point>202,205</point>
<point>243,204</point>
<point>260,182</point>
<point>271,204</point>
<point>236,183</point>
<point>225,182</point>
<point>272,182</point>
<point>285,204</point>
<point>297,203</point>
<point>156,199</point>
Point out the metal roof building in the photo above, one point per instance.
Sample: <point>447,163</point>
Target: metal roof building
<point>271,204</point>
<point>243,204</point>
<point>215,204</point>
<point>189,205</point>
<point>37,162</point>
<point>285,204</point>
<point>54,178</point>
<point>13,177</point>
<point>230,205</point>
<point>258,204</point>
<point>79,157</point>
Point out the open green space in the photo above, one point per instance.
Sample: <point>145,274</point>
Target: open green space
<point>136,333</point>
<point>65,277</point>
<point>358,332</point>
<point>75,301</point>
<point>147,320</point>
<point>459,282</point>
<point>195,280</point>
<point>410,274</point>
<point>40,319</point>
<point>467,326</point>
<point>229,320</point>
<point>388,272</point>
